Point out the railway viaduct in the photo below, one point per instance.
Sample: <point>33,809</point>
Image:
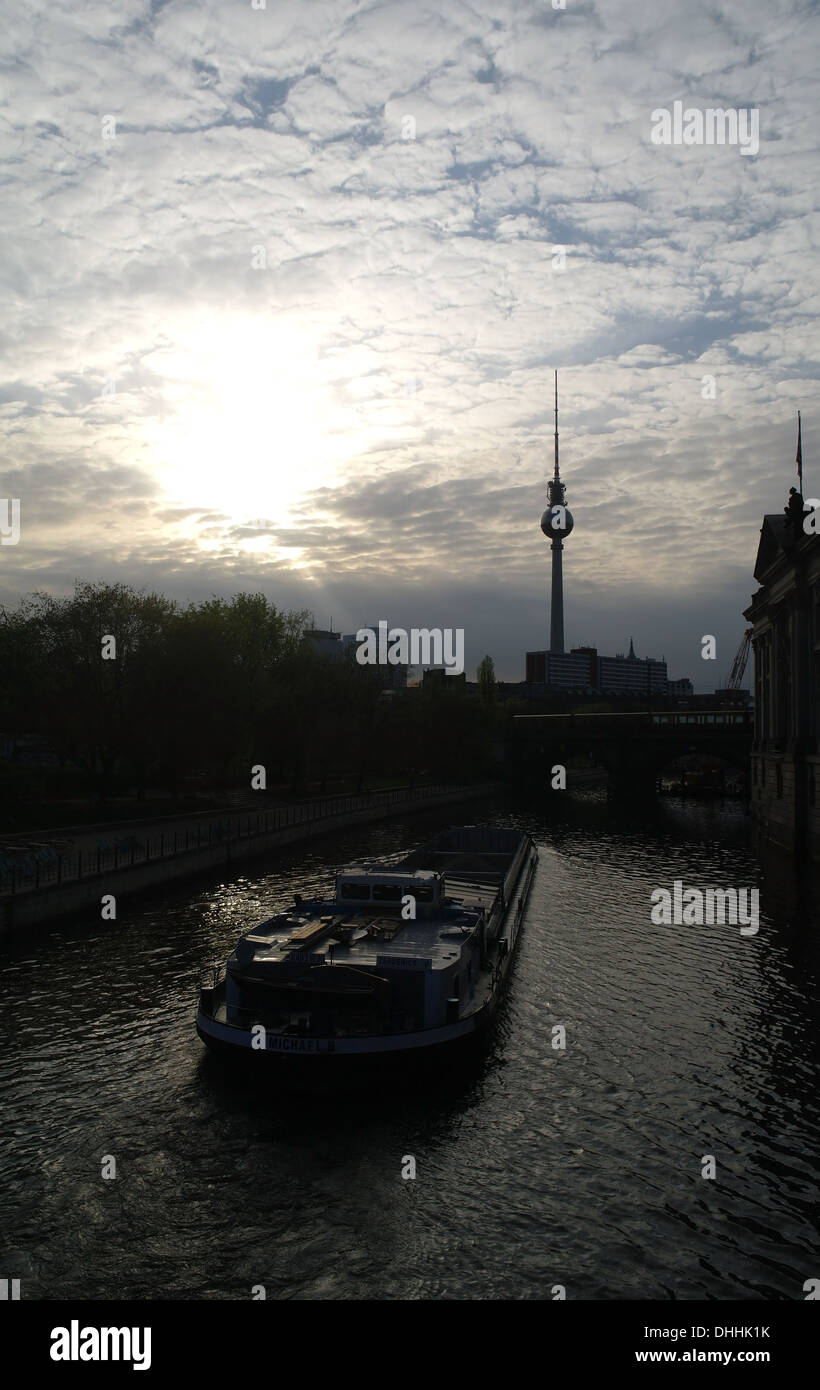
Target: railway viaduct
<point>634,748</point>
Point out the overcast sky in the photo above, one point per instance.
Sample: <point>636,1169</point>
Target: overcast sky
<point>282,299</point>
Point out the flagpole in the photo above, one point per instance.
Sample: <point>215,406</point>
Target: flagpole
<point>799,459</point>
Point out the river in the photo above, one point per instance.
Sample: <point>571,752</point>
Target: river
<point>539,1169</point>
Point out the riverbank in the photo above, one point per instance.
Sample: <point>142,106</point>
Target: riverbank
<point>53,878</point>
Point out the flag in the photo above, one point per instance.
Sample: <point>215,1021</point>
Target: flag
<point>799,459</point>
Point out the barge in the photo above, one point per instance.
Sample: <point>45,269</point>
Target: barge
<point>406,960</point>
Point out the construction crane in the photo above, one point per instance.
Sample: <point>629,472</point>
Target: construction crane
<point>739,664</point>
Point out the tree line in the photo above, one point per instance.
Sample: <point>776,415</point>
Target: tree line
<point>204,691</point>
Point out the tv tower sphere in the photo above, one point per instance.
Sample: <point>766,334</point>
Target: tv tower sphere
<point>557,522</point>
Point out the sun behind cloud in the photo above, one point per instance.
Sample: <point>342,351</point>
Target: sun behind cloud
<point>253,423</point>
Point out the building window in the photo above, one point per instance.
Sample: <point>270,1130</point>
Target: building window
<point>811,784</point>
<point>762,772</point>
<point>779,779</point>
<point>754,770</point>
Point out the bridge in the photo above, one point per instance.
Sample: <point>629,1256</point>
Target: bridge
<point>635,747</point>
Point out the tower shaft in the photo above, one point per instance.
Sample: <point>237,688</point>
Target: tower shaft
<point>557,598</point>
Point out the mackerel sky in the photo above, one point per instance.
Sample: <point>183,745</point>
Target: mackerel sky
<point>283,293</point>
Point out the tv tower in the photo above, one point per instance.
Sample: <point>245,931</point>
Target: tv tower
<point>556,523</point>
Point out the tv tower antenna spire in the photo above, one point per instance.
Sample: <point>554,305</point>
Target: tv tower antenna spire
<point>556,475</point>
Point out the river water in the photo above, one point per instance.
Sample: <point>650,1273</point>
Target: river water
<point>537,1168</point>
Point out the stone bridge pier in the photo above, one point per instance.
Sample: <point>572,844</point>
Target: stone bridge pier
<point>634,770</point>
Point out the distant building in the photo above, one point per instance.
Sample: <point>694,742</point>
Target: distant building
<point>718,699</point>
<point>584,670</point>
<point>628,675</point>
<point>785,618</point>
<point>682,687</point>
<point>730,696</point>
<point>392,677</point>
<point>337,645</point>
<point>325,643</point>
<point>438,677</point>
<point>575,670</point>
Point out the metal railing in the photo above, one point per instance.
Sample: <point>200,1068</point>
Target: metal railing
<point>44,866</point>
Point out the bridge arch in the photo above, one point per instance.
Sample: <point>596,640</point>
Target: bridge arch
<point>634,747</point>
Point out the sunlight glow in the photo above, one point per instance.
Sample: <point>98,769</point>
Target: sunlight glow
<point>254,422</point>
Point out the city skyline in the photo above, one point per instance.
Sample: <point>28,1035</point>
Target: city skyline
<point>286,293</point>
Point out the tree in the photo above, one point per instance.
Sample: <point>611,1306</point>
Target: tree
<point>92,710</point>
<point>486,680</point>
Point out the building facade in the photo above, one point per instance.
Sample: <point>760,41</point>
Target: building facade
<point>785,619</point>
<point>628,675</point>
<point>392,677</point>
<point>575,670</point>
<point>337,645</point>
<point>583,670</point>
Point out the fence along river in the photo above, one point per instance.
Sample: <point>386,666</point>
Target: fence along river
<point>121,857</point>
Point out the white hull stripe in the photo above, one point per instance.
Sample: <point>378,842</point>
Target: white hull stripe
<point>292,1045</point>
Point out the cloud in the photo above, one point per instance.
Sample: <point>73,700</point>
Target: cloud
<point>295,323</point>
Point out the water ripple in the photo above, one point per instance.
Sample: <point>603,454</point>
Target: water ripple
<point>542,1166</point>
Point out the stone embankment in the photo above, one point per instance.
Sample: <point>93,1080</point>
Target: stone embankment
<point>50,874</point>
